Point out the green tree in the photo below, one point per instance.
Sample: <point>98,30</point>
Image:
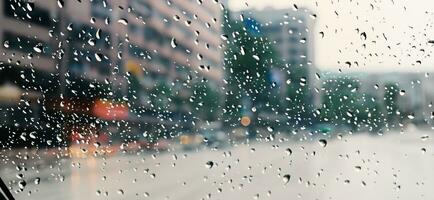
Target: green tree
<point>205,100</point>
<point>248,60</point>
<point>161,97</point>
<point>298,102</point>
<point>391,93</point>
<point>344,104</point>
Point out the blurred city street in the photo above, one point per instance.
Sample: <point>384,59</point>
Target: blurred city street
<point>357,166</point>
<point>216,99</point>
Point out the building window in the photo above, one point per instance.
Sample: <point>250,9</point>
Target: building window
<point>25,44</point>
<point>100,9</point>
<point>20,10</point>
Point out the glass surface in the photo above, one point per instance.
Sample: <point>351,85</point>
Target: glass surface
<point>216,99</point>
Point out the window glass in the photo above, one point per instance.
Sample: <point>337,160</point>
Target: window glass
<point>216,99</point>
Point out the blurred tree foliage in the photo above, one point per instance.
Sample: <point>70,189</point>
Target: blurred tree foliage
<point>344,105</point>
<point>298,106</point>
<point>206,100</point>
<point>391,93</point>
<point>161,96</point>
<point>248,59</point>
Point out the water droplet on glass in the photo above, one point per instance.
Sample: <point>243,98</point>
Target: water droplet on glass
<point>363,36</point>
<point>209,164</point>
<point>123,21</point>
<point>402,92</point>
<point>288,151</point>
<point>173,43</point>
<point>256,57</point>
<point>38,48</point>
<point>91,42</point>
<point>286,178</point>
<point>424,137</point>
<point>98,57</point>
<point>60,3</point>
<point>322,142</point>
<point>22,184</point>
<point>411,116</point>
<point>6,44</point>
<point>358,168</point>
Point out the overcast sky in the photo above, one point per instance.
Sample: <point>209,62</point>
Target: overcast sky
<point>397,32</point>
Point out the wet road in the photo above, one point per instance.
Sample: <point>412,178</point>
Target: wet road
<point>394,166</point>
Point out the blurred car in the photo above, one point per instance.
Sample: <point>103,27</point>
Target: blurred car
<point>190,141</point>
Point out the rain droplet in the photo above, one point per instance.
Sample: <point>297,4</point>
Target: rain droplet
<point>363,36</point>
<point>6,44</point>
<point>176,17</point>
<point>22,184</point>
<point>423,150</point>
<point>286,178</point>
<point>60,3</point>
<point>173,43</point>
<point>96,144</point>
<point>38,48</point>
<point>322,142</point>
<point>253,109</point>
<point>70,27</point>
<point>123,21</point>
<point>98,34</point>
<point>358,168</point>
<point>256,57</point>
<point>411,116</point>
<point>32,135</point>
<point>29,6</point>
<point>424,137</point>
<point>91,42</point>
<point>313,16</point>
<point>98,57</point>
<point>209,164</point>
<point>402,92</point>
<point>288,151</point>
<point>242,51</point>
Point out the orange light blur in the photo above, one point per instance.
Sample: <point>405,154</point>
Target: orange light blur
<point>245,121</point>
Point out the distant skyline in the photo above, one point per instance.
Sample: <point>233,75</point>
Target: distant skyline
<point>397,33</point>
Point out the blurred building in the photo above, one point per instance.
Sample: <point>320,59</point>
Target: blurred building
<point>28,70</point>
<point>81,60</point>
<point>415,96</point>
<point>291,32</point>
